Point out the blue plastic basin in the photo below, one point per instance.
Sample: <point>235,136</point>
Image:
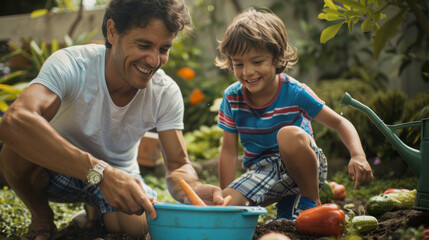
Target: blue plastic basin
<point>177,221</point>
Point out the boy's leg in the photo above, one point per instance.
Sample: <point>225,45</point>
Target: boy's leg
<point>29,182</point>
<point>300,160</point>
<point>238,199</point>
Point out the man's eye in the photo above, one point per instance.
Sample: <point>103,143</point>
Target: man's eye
<point>164,50</point>
<point>143,46</point>
<point>258,62</point>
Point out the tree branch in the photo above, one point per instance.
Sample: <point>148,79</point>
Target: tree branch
<point>77,20</point>
<point>421,19</point>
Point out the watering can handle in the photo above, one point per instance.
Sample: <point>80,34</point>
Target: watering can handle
<point>404,125</point>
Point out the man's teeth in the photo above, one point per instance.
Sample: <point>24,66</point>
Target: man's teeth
<point>143,70</point>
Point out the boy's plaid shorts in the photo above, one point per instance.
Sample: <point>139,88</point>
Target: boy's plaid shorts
<point>269,178</point>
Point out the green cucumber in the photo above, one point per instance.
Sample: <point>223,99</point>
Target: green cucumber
<point>380,204</point>
<point>364,224</point>
<point>326,193</point>
<point>383,203</point>
<point>404,199</point>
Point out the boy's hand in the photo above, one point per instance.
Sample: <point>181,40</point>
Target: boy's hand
<point>360,171</point>
<point>210,194</point>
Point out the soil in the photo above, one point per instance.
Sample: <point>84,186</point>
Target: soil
<point>389,224</point>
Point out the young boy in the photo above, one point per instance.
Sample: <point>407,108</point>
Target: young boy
<point>271,113</point>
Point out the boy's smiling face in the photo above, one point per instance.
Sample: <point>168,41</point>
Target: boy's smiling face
<point>257,72</point>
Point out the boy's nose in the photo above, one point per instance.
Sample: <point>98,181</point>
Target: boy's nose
<point>248,70</point>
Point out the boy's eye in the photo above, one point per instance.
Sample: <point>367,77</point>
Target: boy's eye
<point>258,62</point>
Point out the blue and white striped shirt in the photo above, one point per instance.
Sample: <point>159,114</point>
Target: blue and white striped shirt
<point>294,104</point>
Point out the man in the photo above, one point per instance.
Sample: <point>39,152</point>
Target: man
<point>73,134</point>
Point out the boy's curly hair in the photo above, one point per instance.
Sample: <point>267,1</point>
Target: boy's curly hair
<point>257,29</point>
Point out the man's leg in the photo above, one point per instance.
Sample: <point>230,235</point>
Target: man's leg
<point>29,182</point>
<point>133,225</point>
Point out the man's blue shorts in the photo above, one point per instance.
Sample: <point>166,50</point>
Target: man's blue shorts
<point>65,189</point>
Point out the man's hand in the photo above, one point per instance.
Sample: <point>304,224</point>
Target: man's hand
<point>360,170</point>
<point>126,193</point>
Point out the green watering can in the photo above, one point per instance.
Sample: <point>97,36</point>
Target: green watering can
<point>417,160</point>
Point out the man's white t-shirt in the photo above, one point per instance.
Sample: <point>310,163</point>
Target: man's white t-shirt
<point>90,120</point>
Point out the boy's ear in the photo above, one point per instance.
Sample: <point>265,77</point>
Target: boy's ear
<point>111,32</point>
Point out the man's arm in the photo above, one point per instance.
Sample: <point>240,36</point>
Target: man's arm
<point>179,167</point>
<point>25,129</point>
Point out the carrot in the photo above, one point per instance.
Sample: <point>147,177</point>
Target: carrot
<point>193,197</point>
<point>226,201</point>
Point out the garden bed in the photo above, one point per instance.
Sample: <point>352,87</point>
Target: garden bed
<point>392,225</point>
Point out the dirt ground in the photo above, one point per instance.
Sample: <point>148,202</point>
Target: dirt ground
<point>389,224</point>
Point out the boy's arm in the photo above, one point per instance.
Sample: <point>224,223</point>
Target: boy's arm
<point>228,159</point>
<point>359,168</point>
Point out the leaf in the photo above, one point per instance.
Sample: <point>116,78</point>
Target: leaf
<point>388,30</point>
<point>9,89</point>
<point>38,13</point>
<point>330,32</point>
<point>366,25</point>
<point>12,75</point>
<point>54,45</point>
<point>354,4</point>
<point>3,106</point>
<point>68,40</point>
<point>350,25</point>
<point>331,4</point>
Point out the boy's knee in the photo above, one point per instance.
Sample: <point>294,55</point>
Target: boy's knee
<point>292,137</point>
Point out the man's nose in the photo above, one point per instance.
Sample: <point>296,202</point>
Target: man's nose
<point>153,59</point>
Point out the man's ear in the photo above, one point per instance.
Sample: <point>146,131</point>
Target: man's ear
<point>111,32</point>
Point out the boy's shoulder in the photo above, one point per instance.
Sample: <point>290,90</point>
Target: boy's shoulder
<point>289,80</point>
<point>234,89</point>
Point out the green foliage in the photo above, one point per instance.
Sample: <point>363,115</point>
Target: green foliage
<point>11,85</point>
<point>369,13</point>
<point>406,233</point>
<point>331,92</point>
<point>15,216</point>
<point>377,186</point>
<point>392,106</point>
<point>203,143</point>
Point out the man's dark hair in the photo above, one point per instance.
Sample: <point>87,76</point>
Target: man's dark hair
<point>127,14</point>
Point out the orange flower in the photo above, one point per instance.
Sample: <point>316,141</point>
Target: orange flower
<point>187,73</point>
<point>196,97</point>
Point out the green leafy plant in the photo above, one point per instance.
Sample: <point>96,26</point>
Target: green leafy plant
<point>370,13</point>
<point>36,53</point>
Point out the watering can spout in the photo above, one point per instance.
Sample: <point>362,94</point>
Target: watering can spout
<point>346,100</point>
<point>411,155</point>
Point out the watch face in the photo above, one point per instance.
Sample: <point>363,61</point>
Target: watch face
<point>94,177</point>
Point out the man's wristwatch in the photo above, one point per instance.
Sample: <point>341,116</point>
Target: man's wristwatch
<point>95,174</point>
